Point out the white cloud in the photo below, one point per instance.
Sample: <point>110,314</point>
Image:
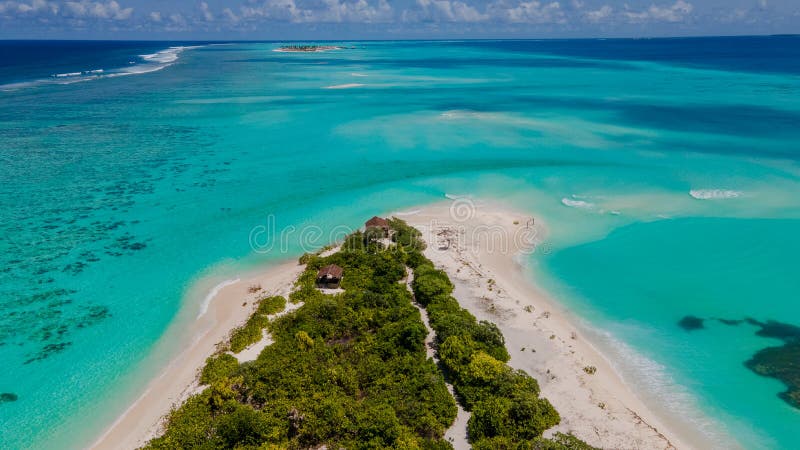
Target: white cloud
<point>443,11</point>
<point>86,9</point>
<point>155,16</point>
<point>281,10</point>
<point>676,12</point>
<point>530,12</point>
<point>177,19</point>
<point>598,15</point>
<point>207,15</point>
<point>328,11</point>
<point>32,8</point>
<point>229,15</point>
<point>353,11</point>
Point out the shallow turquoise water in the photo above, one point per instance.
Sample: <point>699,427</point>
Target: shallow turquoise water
<point>119,193</point>
<point>640,281</point>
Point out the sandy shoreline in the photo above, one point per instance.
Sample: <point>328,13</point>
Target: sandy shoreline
<point>479,252</point>
<point>224,311</point>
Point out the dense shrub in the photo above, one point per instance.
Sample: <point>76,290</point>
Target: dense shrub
<point>430,283</point>
<point>507,412</point>
<point>348,370</point>
<point>252,331</point>
<point>521,417</point>
<point>406,236</point>
<point>218,367</point>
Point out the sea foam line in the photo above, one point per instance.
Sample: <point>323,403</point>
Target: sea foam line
<point>151,63</point>
<point>653,378</point>
<point>213,293</point>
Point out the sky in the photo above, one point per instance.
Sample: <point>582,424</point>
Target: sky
<point>391,19</point>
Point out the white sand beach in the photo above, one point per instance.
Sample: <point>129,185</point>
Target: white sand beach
<point>478,247</point>
<point>228,309</point>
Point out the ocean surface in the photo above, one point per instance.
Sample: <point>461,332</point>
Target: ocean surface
<point>132,173</point>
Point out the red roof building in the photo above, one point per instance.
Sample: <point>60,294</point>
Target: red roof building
<point>329,277</point>
<point>378,222</point>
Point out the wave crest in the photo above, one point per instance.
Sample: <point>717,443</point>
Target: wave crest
<point>149,63</point>
<point>580,204</point>
<point>714,194</point>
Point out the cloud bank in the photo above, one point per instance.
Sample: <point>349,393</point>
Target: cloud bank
<point>555,16</point>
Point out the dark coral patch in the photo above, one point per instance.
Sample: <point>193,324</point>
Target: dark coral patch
<point>691,323</point>
<point>774,329</point>
<point>8,397</point>
<point>782,363</point>
<point>731,322</point>
<point>47,351</point>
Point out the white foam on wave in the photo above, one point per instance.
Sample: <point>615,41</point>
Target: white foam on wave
<point>407,213</point>
<point>345,86</point>
<point>165,56</point>
<point>150,63</point>
<point>355,74</point>
<point>213,293</point>
<point>455,197</point>
<point>714,194</point>
<point>580,204</point>
<point>655,380</point>
<point>155,61</point>
<point>458,114</point>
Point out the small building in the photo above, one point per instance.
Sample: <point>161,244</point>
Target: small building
<point>329,277</point>
<point>378,222</point>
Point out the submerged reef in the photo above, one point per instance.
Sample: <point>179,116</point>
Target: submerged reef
<point>690,323</point>
<point>8,397</point>
<point>781,362</point>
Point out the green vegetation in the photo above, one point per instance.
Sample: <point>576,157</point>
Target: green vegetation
<point>347,370</point>
<point>307,48</point>
<point>252,331</point>
<point>350,370</point>
<point>506,409</point>
<point>218,367</point>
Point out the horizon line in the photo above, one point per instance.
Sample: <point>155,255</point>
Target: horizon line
<point>406,39</point>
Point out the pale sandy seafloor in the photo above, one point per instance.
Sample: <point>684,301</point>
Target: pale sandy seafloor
<point>479,248</point>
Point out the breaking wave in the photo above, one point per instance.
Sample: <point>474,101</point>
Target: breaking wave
<point>147,63</point>
<point>714,194</point>
<point>580,204</point>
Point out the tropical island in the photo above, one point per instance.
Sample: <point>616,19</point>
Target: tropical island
<point>404,335</point>
<point>307,48</point>
<point>349,368</point>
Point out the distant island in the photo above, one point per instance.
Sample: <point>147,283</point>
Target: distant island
<point>307,48</point>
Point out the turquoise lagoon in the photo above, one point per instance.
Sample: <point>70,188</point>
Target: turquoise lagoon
<point>666,170</point>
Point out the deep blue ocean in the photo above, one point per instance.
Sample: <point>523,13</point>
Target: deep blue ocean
<point>667,171</point>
